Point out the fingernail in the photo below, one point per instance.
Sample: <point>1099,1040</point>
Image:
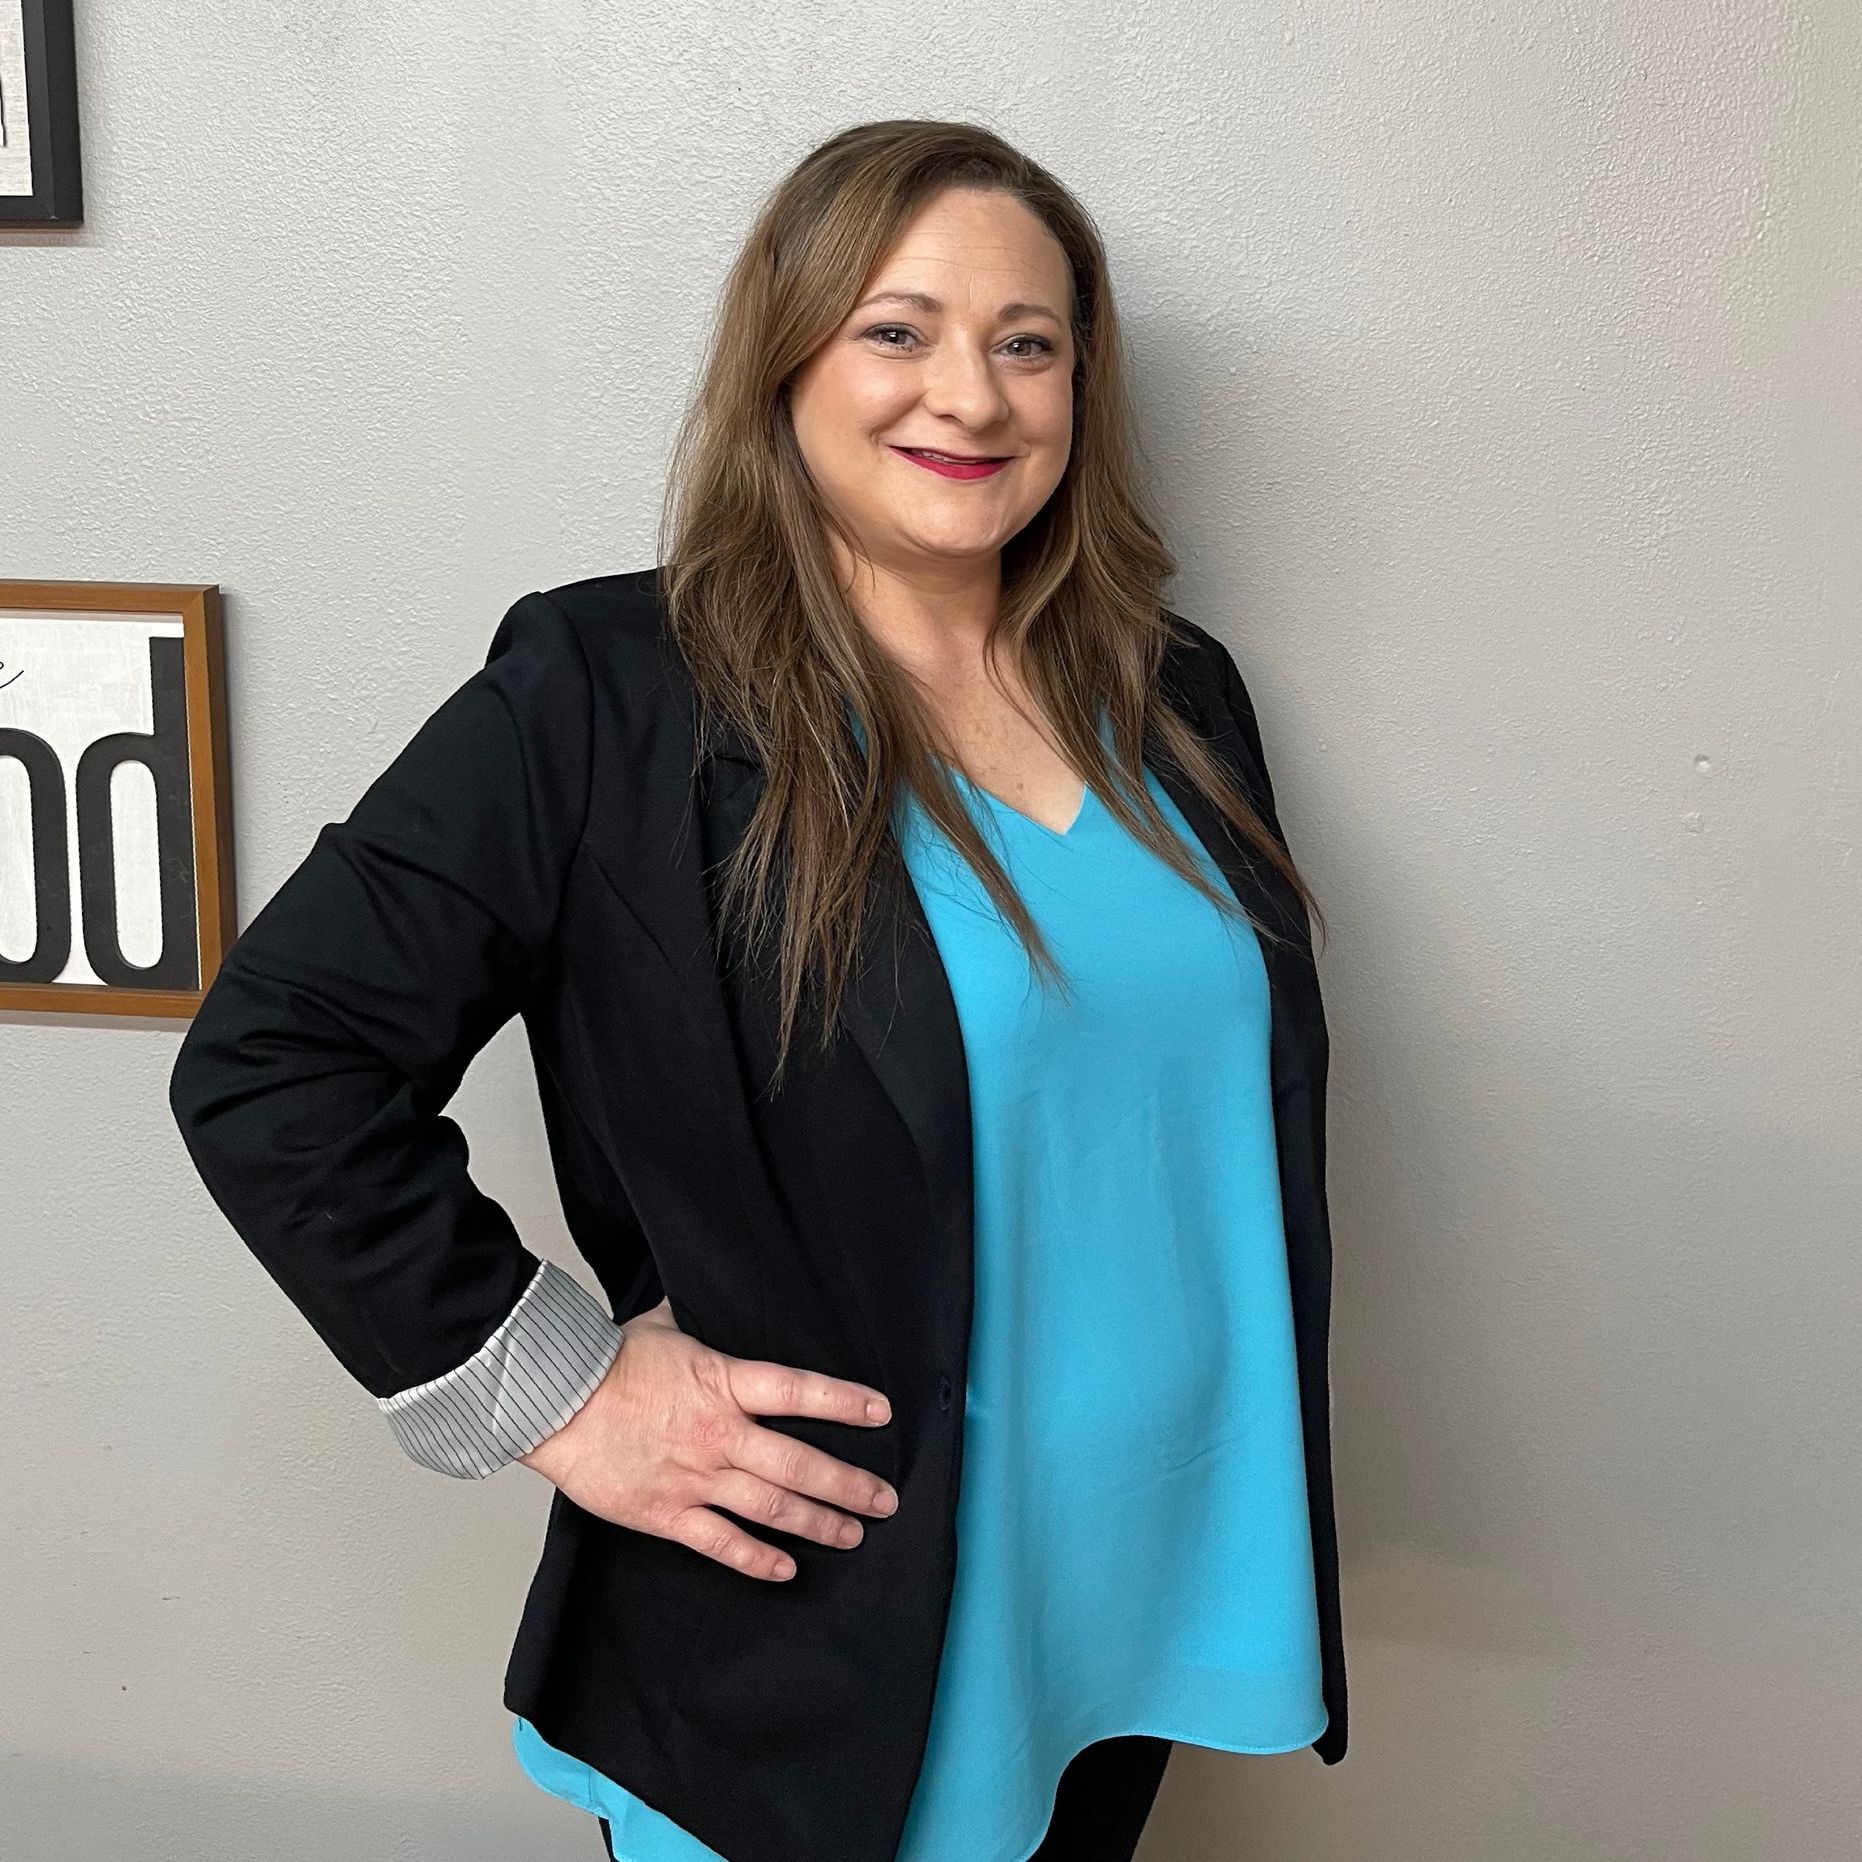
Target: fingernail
<point>887,1500</point>
<point>786,1568</point>
<point>877,1409</point>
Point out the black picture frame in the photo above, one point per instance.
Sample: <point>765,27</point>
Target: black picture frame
<point>51,117</point>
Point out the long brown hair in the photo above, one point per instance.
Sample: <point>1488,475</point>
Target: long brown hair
<point>772,641</point>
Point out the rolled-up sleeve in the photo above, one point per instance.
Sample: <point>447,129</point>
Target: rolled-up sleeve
<point>310,1088</point>
<point>527,1379</point>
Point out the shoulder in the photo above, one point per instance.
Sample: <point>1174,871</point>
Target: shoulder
<point>1200,667</point>
<point>616,614</point>
<point>1197,646</point>
<point>610,631</point>
<point>626,600</point>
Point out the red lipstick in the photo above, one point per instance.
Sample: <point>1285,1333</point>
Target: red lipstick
<point>950,466</point>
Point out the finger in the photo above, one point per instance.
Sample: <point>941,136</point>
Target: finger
<point>802,1468</point>
<point>767,1388</point>
<point>715,1536</point>
<point>751,1497</point>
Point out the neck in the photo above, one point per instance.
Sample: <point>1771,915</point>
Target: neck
<point>931,617</point>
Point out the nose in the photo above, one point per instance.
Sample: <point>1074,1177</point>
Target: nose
<point>959,382</point>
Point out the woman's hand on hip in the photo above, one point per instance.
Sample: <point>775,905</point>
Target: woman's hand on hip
<point>670,1434</point>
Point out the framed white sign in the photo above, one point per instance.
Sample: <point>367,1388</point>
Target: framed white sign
<point>116,882</point>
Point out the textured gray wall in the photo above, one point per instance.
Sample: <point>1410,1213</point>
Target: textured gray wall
<point>1501,391</point>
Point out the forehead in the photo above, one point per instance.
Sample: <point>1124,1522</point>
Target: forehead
<point>968,249</point>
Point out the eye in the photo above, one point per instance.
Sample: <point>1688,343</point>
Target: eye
<point>882,331</point>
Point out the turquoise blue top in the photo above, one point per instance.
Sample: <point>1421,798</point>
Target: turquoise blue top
<point>1134,1550</point>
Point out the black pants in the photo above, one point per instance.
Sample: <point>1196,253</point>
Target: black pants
<point>1105,1795</point>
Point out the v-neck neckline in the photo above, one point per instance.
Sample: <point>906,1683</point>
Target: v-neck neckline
<point>1089,796</point>
<point>1070,832</point>
<point>1008,808</point>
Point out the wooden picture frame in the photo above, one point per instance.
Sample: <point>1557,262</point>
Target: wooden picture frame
<point>41,182</point>
<point>97,678</point>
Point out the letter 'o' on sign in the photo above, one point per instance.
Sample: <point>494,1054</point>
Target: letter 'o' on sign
<point>116,884</point>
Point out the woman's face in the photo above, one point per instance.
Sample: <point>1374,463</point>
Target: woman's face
<point>961,344</point>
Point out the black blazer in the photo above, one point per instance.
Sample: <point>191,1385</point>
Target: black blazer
<point>556,864</point>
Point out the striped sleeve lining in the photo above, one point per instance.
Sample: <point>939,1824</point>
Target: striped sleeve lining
<point>527,1379</point>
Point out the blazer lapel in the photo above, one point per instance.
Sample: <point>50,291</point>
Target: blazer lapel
<point>898,1008</point>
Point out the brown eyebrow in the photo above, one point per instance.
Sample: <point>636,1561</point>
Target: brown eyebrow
<point>922,300</point>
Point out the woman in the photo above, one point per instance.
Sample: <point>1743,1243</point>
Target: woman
<point>933,1065</point>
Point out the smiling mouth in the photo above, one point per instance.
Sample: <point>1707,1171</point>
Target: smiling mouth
<point>927,452</point>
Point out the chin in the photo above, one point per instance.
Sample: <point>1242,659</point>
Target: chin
<point>956,549</point>
<point>974,533</point>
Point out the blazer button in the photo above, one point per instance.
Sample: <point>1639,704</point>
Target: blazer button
<point>943,1393</point>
